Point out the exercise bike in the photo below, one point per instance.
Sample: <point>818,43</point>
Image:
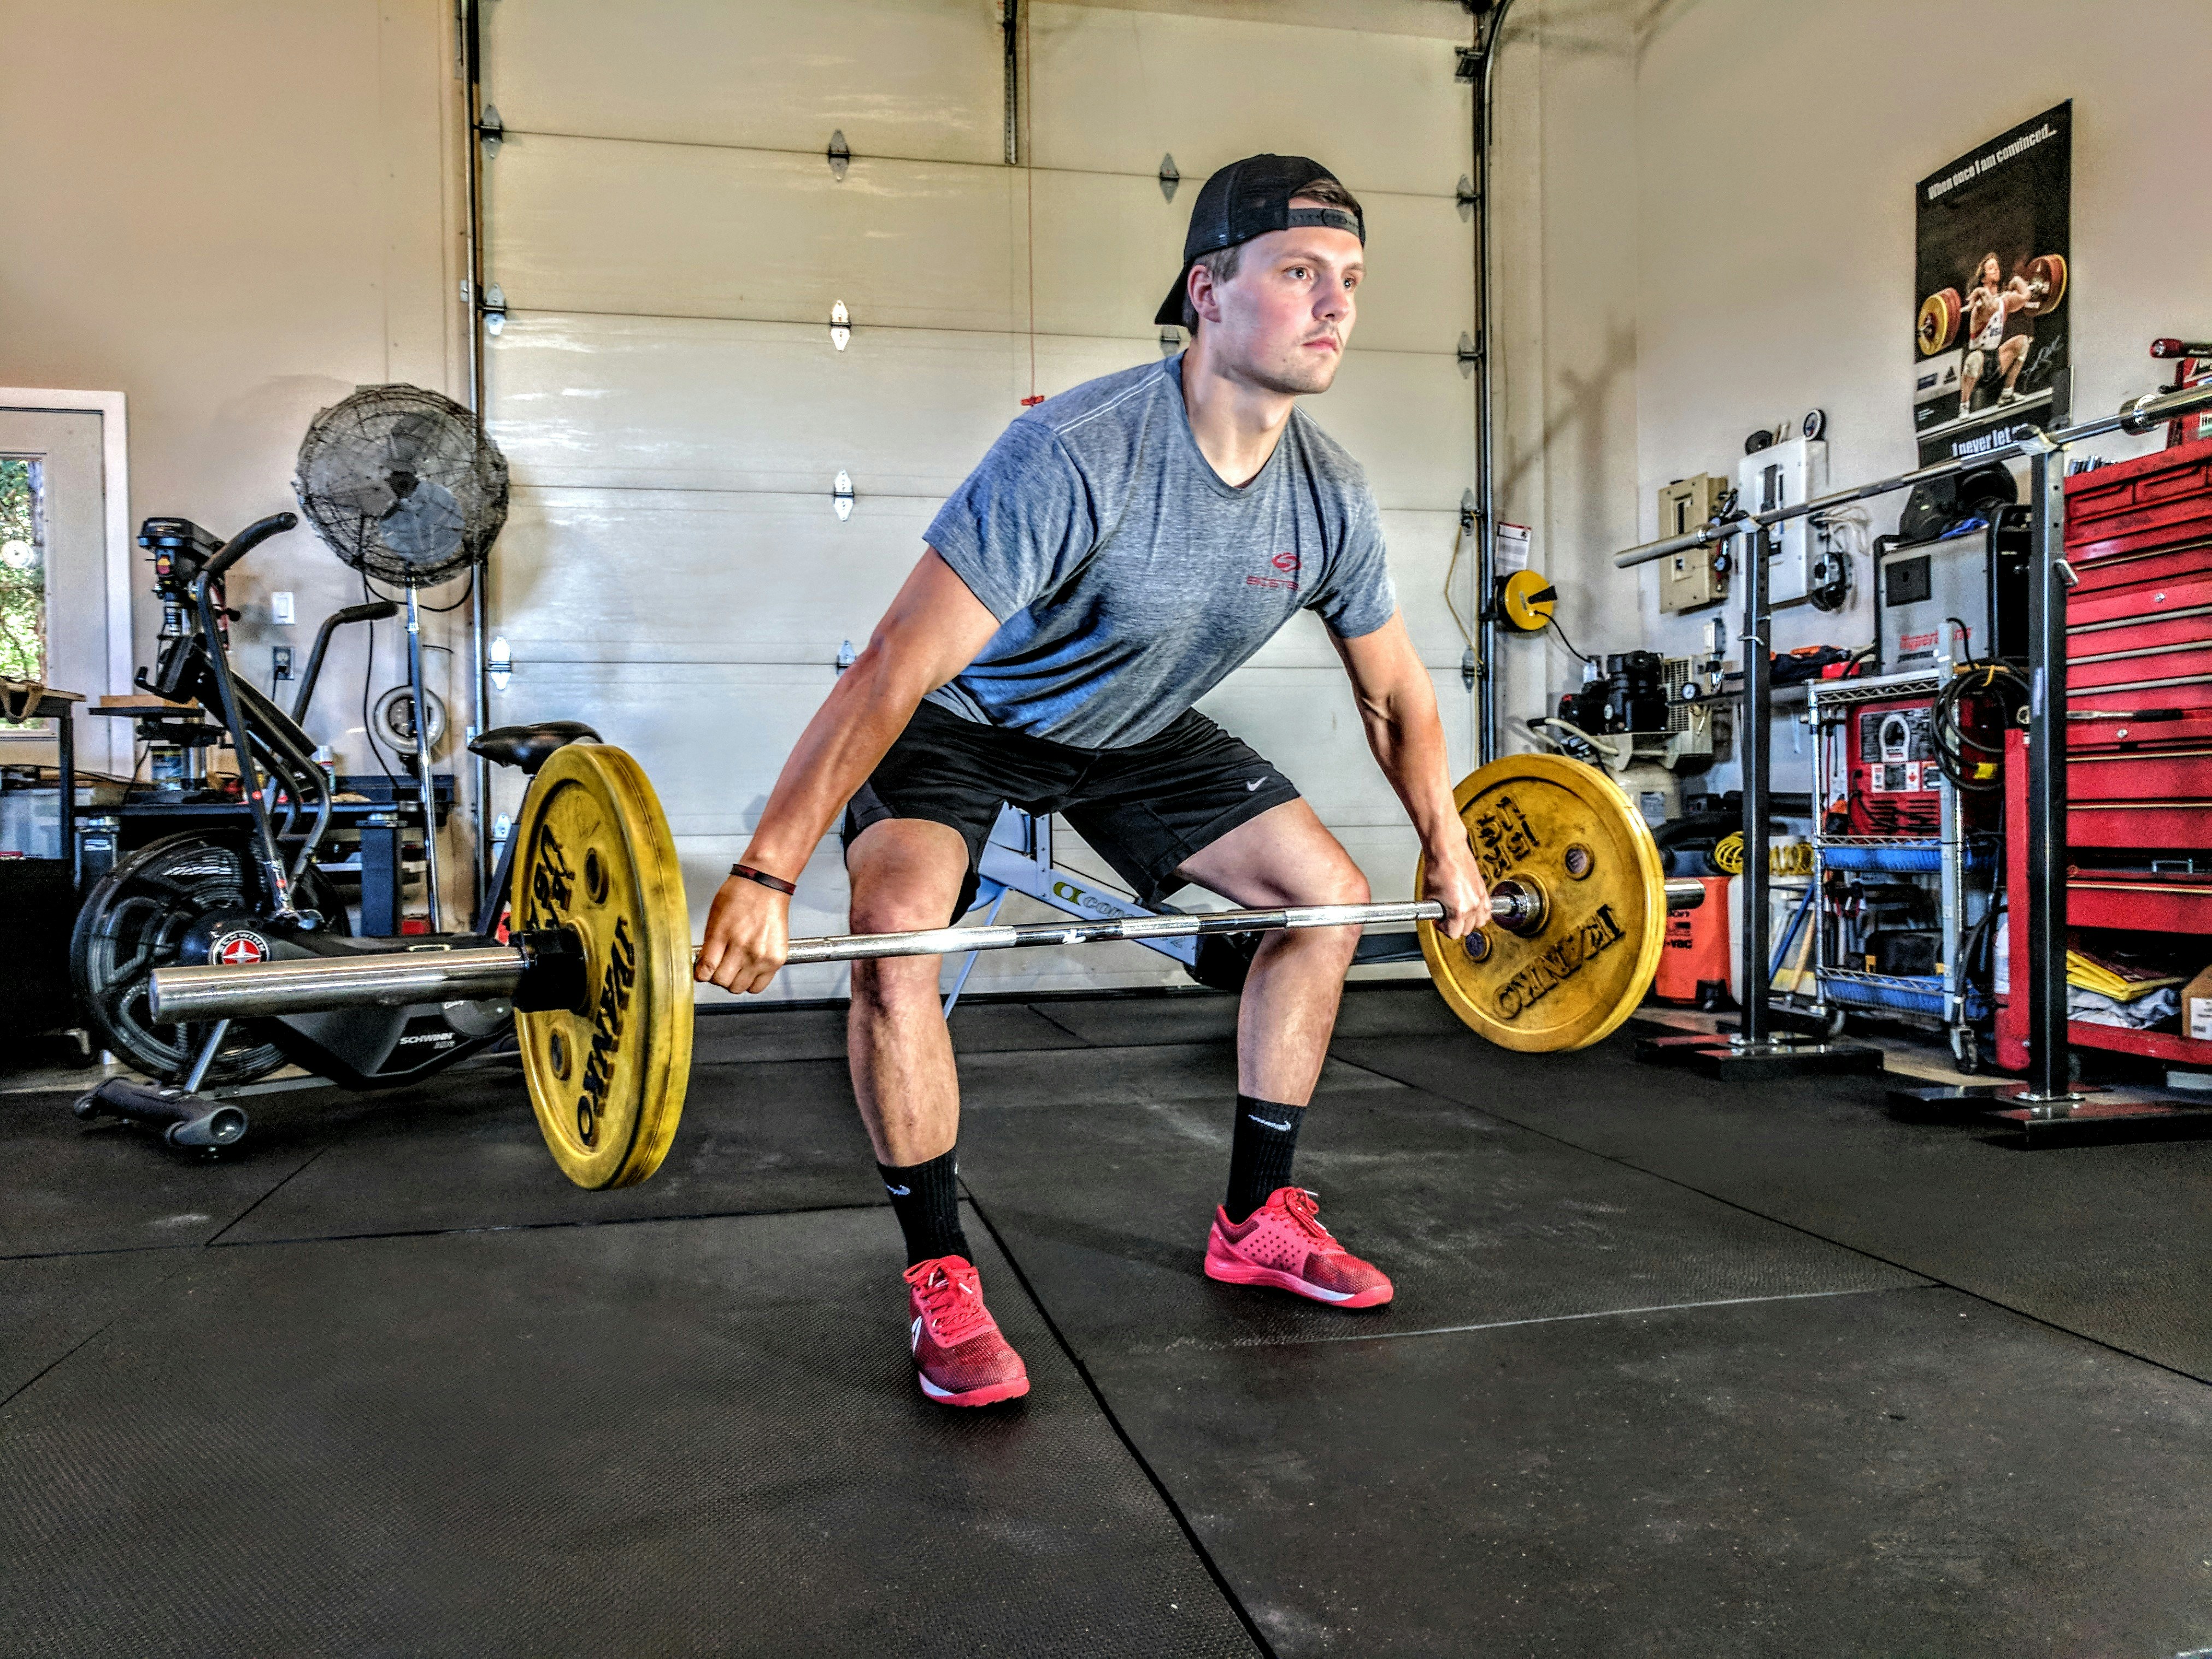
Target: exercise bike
<point>224,896</point>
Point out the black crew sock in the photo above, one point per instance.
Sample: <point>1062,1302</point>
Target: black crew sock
<point>925,1198</point>
<point>1260,1156</point>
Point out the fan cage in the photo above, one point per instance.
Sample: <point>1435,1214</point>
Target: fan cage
<point>403,484</point>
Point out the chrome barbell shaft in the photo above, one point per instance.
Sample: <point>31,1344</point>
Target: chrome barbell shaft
<point>953,941</point>
<point>258,990</point>
<point>314,984</point>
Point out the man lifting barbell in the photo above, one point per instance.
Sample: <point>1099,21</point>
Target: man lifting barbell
<point>1558,952</point>
<point>1120,551</point>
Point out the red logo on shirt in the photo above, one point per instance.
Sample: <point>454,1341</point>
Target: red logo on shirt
<point>1286,562</point>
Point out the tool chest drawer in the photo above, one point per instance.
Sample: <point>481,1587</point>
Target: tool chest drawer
<point>2091,617</point>
<point>2156,500</point>
<point>2168,823</point>
<point>2166,564</point>
<point>2192,692</point>
<point>2148,907</point>
<point>2153,775</point>
<point>2183,661</point>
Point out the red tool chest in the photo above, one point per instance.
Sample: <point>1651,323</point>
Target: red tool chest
<point>2139,731</point>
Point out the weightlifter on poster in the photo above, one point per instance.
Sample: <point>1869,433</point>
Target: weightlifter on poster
<point>1992,304</point>
<point>1122,548</point>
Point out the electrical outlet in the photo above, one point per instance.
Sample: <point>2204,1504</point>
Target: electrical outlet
<point>281,657</point>
<point>280,609</point>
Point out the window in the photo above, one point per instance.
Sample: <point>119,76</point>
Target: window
<point>22,570</point>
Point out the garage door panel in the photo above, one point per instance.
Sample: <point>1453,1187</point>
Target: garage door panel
<point>1303,721</point>
<point>1108,246</point>
<point>678,230</point>
<point>586,224</point>
<point>673,403</point>
<point>712,736</point>
<point>1112,91</point>
<point>916,78</point>
<point>678,403</point>
<point>1408,420</point>
<point>699,575</point>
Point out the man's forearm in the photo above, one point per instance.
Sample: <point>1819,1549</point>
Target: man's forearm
<point>855,727</point>
<point>1408,744</point>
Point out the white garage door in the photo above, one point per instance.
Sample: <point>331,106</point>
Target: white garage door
<point>671,235</point>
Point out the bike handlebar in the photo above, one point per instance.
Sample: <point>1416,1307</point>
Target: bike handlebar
<point>246,541</point>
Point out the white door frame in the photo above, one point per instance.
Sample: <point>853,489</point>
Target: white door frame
<point>115,492</point>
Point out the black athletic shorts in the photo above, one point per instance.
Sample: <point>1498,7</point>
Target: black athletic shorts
<point>1146,808</point>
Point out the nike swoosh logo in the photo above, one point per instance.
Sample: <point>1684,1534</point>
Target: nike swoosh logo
<point>1269,1122</point>
<point>898,1192</point>
<point>1254,784</point>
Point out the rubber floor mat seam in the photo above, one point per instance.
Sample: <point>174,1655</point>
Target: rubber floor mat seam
<point>305,1164</point>
<point>1113,1422</point>
<point>540,1226</point>
<point>1597,1313</point>
<point>130,1305</point>
<point>1049,1020</point>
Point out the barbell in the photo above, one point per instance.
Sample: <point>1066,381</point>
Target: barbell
<point>599,968</point>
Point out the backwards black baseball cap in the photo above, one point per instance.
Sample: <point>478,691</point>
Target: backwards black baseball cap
<point>1249,198</point>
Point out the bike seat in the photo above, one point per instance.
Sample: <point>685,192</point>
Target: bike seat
<point>529,746</point>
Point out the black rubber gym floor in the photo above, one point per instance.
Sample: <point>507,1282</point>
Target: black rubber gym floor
<point>1675,1368</point>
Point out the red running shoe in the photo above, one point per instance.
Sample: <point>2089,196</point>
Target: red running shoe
<point>1283,1243</point>
<point>958,1354</point>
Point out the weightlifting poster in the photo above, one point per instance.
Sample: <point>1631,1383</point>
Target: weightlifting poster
<point>1989,340</point>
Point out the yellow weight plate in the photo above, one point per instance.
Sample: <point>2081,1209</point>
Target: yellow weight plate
<point>1565,829</point>
<point>606,1078</point>
<point>1930,330</point>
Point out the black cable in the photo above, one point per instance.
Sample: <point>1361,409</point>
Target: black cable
<point>438,609</point>
<point>1569,643</point>
<point>1947,733</point>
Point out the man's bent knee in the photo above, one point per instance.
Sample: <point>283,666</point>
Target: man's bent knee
<point>896,982</point>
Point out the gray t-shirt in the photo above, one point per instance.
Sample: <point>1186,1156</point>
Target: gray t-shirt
<point>1129,580</point>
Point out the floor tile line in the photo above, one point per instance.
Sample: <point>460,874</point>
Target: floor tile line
<point>309,1161</point>
<point>1982,1297</point>
<point>1597,1313</point>
<point>101,1249</point>
<point>130,1302</point>
<point>545,1226</point>
<point>1049,1020</point>
<point>1113,1420</point>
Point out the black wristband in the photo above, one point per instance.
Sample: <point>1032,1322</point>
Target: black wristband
<point>774,883</point>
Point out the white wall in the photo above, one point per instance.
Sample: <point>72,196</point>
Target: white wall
<point>1566,360</point>
<point>233,212</point>
<point>1733,180</point>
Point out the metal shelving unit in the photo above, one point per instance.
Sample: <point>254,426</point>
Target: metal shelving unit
<point>1963,864</point>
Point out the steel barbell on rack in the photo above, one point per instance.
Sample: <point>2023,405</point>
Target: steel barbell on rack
<point>599,970</point>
